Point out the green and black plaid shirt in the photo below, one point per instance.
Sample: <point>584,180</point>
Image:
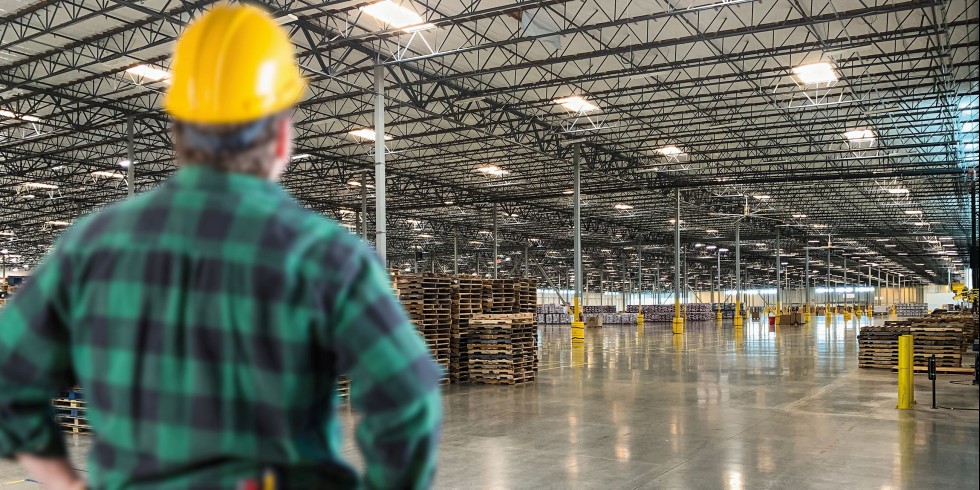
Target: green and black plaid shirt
<point>207,322</point>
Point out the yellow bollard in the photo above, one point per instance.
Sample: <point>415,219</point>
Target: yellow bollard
<point>678,325</point>
<point>738,315</point>
<point>906,384</point>
<point>578,331</point>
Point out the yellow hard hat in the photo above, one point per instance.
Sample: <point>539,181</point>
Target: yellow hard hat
<point>233,65</point>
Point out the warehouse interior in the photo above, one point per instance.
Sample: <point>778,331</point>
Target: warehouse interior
<point>709,223</point>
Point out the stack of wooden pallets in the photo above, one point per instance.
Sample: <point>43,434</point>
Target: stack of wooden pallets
<point>502,296</point>
<point>502,348</point>
<point>878,346</point>
<point>467,301</point>
<point>437,318</point>
<point>527,295</point>
<point>428,301</point>
<point>69,410</point>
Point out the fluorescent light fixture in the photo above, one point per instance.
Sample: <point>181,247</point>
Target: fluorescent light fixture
<point>722,250</point>
<point>23,117</point>
<point>568,192</point>
<point>577,104</point>
<point>711,247</point>
<point>58,223</point>
<point>896,190</point>
<point>39,185</point>
<point>301,156</point>
<point>366,134</point>
<point>921,223</point>
<point>860,135</point>
<point>762,197</point>
<point>492,170</point>
<point>394,15</point>
<point>149,72</point>
<point>7,233</point>
<point>285,19</point>
<point>623,207</point>
<point>424,235</point>
<point>912,211</point>
<point>698,245</point>
<point>882,239</point>
<point>890,245</point>
<point>710,231</point>
<point>670,151</point>
<point>110,175</point>
<point>799,216</point>
<point>815,73</point>
<point>124,163</point>
<point>819,226</point>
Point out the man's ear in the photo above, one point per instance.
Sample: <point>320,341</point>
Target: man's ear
<point>282,139</point>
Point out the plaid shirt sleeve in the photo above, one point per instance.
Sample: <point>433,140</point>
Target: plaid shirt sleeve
<point>394,381</point>
<point>35,361</point>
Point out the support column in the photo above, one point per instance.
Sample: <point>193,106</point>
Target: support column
<point>455,254</point>
<point>380,211</point>
<point>639,285</point>
<point>527,261</point>
<point>495,242</point>
<point>779,288</point>
<point>364,211</point>
<point>678,322</point>
<point>718,316</point>
<point>130,155</point>
<point>806,286</point>
<point>578,327</point>
<point>738,274</point>
<point>827,313</point>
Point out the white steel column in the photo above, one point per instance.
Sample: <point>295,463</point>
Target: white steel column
<point>455,255</point>
<point>130,156</point>
<point>364,211</point>
<point>495,242</point>
<point>577,211</point>
<point>678,325</point>
<point>380,211</point>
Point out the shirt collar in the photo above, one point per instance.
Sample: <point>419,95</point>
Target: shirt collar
<point>204,177</point>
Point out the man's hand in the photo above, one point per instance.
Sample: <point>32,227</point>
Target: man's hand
<point>54,473</point>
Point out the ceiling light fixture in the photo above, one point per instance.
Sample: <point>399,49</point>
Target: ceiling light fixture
<point>39,185</point>
<point>860,135</point>
<point>58,223</point>
<point>912,211</point>
<point>896,190</point>
<point>366,134</point>
<point>670,151</point>
<point>492,170</point>
<point>799,216</point>
<point>23,117</point>
<point>149,72</point>
<point>762,197</point>
<point>111,175</point>
<point>623,207</point>
<point>302,156</point>
<point>577,104</point>
<point>815,73</point>
<point>394,15</point>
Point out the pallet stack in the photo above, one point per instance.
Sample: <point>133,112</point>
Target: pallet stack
<point>69,410</point>
<point>428,301</point>
<point>502,348</point>
<point>467,301</point>
<point>499,296</point>
<point>343,387</point>
<point>553,314</point>
<point>437,320</point>
<point>878,346</point>
<point>911,309</point>
<point>527,295</point>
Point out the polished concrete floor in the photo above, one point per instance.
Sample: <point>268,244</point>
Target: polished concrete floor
<point>713,408</point>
